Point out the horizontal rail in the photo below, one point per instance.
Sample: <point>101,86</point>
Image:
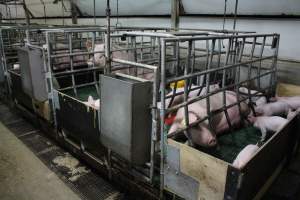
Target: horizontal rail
<point>183,38</point>
<point>216,69</point>
<point>193,100</point>
<point>134,64</point>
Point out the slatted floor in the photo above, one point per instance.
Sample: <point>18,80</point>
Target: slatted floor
<point>90,186</point>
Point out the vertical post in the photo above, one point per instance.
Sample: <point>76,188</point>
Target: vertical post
<point>107,49</point>
<point>175,14</point>
<point>273,78</point>
<point>162,114</point>
<point>27,20</point>
<point>186,92</point>
<point>94,4</point>
<point>16,10</point>
<point>154,123</point>
<point>63,12</point>
<point>235,14</point>
<point>74,13</point>
<point>49,78</point>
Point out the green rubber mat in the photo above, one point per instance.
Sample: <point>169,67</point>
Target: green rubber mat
<point>229,145</point>
<point>83,93</point>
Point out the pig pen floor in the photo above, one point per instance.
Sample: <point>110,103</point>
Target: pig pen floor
<point>73,179</point>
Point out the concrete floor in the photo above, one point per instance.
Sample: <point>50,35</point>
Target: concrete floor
<point>29,169</point>
<point>24,177</point>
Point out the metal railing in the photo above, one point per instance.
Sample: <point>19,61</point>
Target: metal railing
<point>199,59</point>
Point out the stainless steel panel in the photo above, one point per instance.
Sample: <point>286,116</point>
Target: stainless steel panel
<point>125,119</point>
<point>32,73</point>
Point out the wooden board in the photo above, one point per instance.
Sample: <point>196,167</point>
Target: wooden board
<point>265,162</point>
<point>208,170</point>
<point>284,89</point>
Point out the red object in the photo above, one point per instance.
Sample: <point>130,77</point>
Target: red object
<point>170,119</point>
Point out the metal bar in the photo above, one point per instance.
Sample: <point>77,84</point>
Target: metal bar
<point>186,92</point>
<point>235,13</point>
<point>133,44</point>
<point>75,54</point>
<point>76,71</point>
<point>162,116</point>
<point>49,80</point>
<point>155,126</point>
<point>223,84</point>
<point>193,100</point>
<point>108,55</point>
<point>208,83</point>
<point>187,38</point>
<point>172,80</point>
<point>94,7</point>
<point>78,86</point>
<point>273,79</point>
<point>94,71</point>
<point>71,62</point>
<point>238,76</point>
<point>134,63</point>
<point>249,74</point>
<point>261,55</point>
<point>175,14</point>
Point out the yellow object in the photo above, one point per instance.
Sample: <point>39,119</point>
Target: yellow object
<point>180,84</point>
<point>284,89</point>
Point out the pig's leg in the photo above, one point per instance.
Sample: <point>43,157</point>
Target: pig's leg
<point>263,131</point>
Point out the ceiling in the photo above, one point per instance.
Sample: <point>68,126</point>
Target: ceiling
<point>62,8</point>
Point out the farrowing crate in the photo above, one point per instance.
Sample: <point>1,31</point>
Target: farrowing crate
<point>232,62</point>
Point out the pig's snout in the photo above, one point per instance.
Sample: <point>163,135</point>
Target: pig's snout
<point>212,142</point>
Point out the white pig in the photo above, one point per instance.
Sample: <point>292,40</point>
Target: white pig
<point>99,57</point>
<point>245,156</point>
<point>93,103</point>
<point>274,108</point>
<point>201,134</point>
<point>293,102</point>
<point>258,98</point>
<point>267,123</point>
